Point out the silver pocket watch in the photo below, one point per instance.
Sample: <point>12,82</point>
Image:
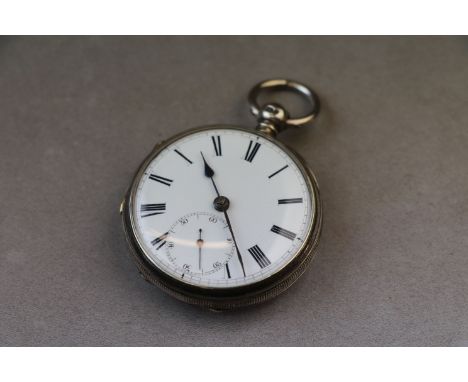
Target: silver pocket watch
<point>224,216</point>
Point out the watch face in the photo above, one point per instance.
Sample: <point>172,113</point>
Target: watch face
<point>248,236</point>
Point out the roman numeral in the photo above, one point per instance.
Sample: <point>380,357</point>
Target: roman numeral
<point>290,201</point>
<point>251,152</point>
<point>228,272</point>
<point>217,145</point>
<point>160,179</point>
<point>159,208</point>
<point>277,172</point>
<point>259,256</point>
<point>183,156</point>
<point>161,239</point>
<point>283,232</point>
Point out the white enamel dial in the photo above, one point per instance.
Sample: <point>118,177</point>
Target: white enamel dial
<point>270,215</point>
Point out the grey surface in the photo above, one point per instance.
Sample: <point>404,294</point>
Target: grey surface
<point>77,116</point>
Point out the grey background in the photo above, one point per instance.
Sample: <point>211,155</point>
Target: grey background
<point>77,116</point>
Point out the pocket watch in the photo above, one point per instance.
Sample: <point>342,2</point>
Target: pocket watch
<point>224,216</point>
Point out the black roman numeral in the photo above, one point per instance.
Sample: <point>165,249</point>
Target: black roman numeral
<point>160,179</point>
<point>290,201</point>
<point>159,208</point>
<point>217,145</point>
<point>251,152</point>
<point>259,256</point>
<point>183,156</point>
<point>228,272</point>
<point>277,172</point>
<point>161,239</point>
<point>283,232</point>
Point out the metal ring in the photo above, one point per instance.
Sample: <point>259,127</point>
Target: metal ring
<point>283,84</point>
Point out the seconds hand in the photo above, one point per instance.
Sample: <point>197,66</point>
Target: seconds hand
<point>222,204</point>
<point>199,245</point>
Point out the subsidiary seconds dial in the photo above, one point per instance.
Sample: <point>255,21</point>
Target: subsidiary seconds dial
<point>198,244</point>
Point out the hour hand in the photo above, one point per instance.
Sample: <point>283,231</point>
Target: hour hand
<point>208,170</point>
<point>209,173</point>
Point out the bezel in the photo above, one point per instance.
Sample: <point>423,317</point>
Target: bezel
<point>223,298</point>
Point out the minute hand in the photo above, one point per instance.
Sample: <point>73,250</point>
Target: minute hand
<point>210,173</point>
<point>239,256</point>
